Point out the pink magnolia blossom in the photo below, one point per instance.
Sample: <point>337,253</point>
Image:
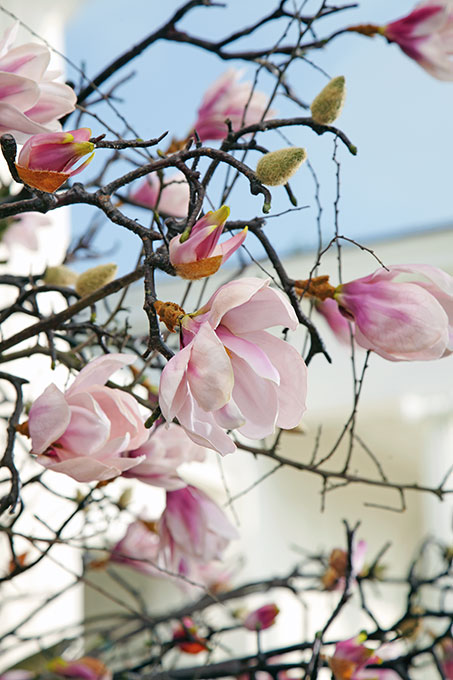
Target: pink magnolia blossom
<point>85,668</point>
<point>166,449</point>
<point>84,431</point>
<point>350,657</point>
<point>45,161</point>
<point>172,200</point>
<point>426,35</point>
<point>139,548</point>
<point>230,372</point>
<point>193,530</point>
<point>227,98</point>
<point>403,313</point>
<point>199,254</point>
<point>31,102</point>
<point>17,674</point>
<point>22,230</point>
<point>262,618</point>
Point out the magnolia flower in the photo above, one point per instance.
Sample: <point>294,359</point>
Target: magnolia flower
<point>335,574</point>
<point>139,548</point>
<point>199,254</point>
<point>172,200</point>
<point>193,530</point>
<point>85,668</point>
<point>426,35</point>
<point>350,657</point>
<point>230,372</point>
<point>262,618</point>
<point>30,101</point>
<point>45,161</point>
<point>84,431</point>
<point>227,98</point>
<point>187,639</point>
<point>22,230</point>
<point>402,313</point>
<point>165,450</point>
<point>17,674</point>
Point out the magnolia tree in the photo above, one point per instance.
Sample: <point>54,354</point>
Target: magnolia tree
<point>114,410</point>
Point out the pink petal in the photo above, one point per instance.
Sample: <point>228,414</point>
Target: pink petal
<point>256,398</point>
<point>173,388</point>
<point>86,432</point>
<point>19,125</point>
<point>292,390</point>
<point>84,469</point>
<point>232,244</point>
<point>266,308</point>
<point>209,372</point>
<point>17,91</point>
<point>55,101</point>
<point>251,353</point>
<point>203,429</point>
<point>48,418</point>
<point>29,61</point>
<point>98,371</point>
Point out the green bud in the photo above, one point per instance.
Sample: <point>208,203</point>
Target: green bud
<point>95,278</point>
<point>277,167</point>
<point>327,106</point>
<point>59,276</point>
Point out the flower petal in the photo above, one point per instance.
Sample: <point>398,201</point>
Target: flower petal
<point>48,418</point>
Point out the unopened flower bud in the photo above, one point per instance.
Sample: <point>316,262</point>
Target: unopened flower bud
<point>327,106</point>
<point>95,278</point>
<point>59,276</point>
<point>262,618</point>
<point>277,167</point>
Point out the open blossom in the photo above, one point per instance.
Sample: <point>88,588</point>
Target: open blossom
<point>350,657</point>
<point>85,668</point>
<point>139,548</point>
<point>31,102</point>
<point>402,313</point>
<point>200,254</point>
<point>22,230</point>
<point>45,161</point>
<point>172,200</point>
<point>230,372</point>
<point>426,35</point>
<point>84,431</point>
<point>228,98</point>
<point>193,530</point>
<point>166,449</point>
<point>261,618</point>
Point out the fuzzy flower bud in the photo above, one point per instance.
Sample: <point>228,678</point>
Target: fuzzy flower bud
<point>277,167</point>
<point>327,106</point>
<point>95,278</point>
<point>59,276</point>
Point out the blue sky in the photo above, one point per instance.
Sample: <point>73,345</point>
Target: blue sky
<point>397,115</point>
